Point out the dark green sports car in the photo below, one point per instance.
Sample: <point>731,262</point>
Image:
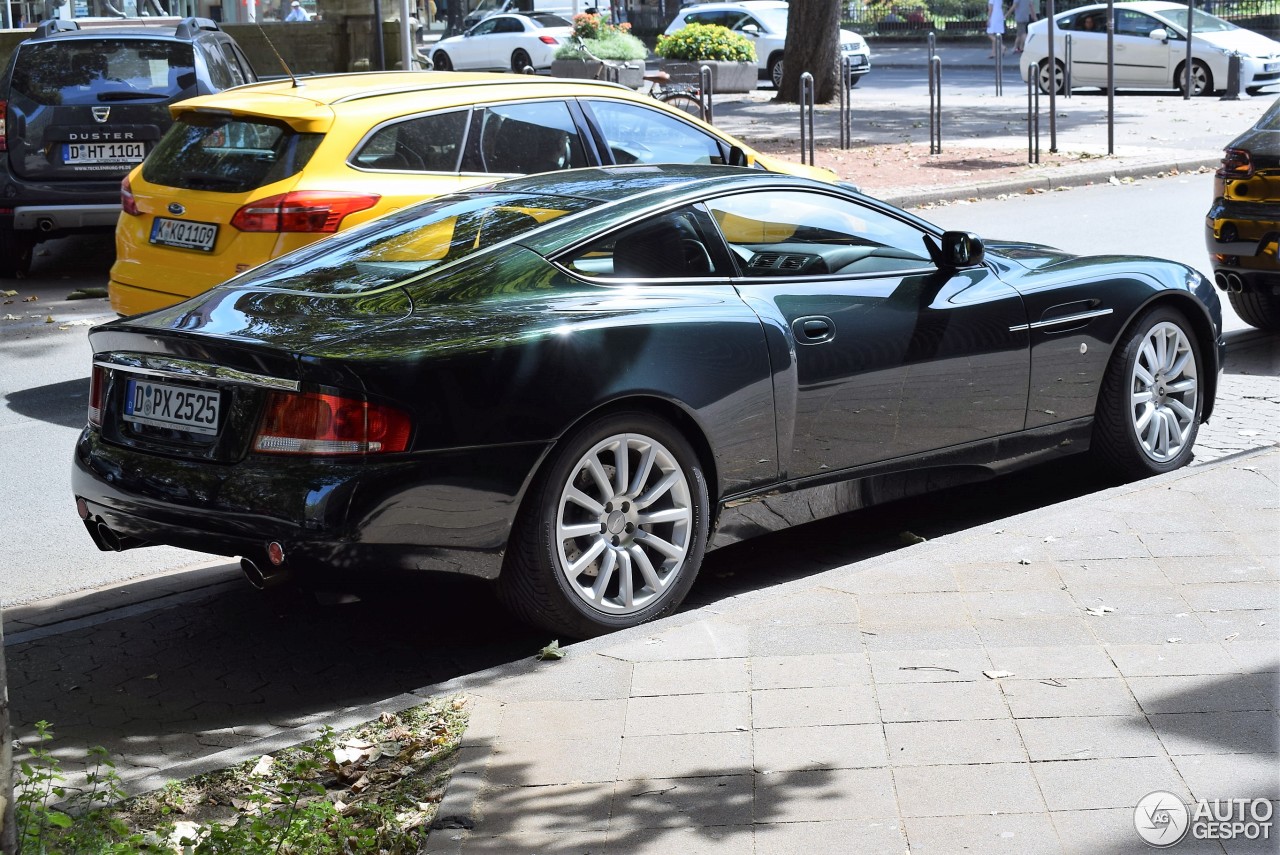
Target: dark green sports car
<point>576,383</point>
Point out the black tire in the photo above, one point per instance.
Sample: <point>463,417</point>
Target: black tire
<point>1042,77</point>
<point>440,61</point>
<point>685,103</point>
<point>1137,438</point>
<point>520,61</point>
<point>853,80</point>
<point>1201,79</point>
<point>538,583</point>
<point>775,70</point>
<point>16,251</point>
<point>1257,310</point>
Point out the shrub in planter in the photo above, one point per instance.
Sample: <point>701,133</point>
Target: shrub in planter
<point>731,57</point>
<point>698,42</point>
<point>602,40</point>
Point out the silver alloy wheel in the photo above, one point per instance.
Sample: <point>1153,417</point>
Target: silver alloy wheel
<point>775,74</point>
<point>1163,392</point>
<point>624,524</point>
<point>1059,78</point>
<point>1199,78</point>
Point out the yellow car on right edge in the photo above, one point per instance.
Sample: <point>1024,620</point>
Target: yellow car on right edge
<point>247,175</point>
<point>1242,228</point>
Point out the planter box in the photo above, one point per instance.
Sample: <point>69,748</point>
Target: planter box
<point>726,77</point>
<point>629,74</point>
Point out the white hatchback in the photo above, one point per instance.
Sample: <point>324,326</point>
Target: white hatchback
<point>765,23</point>
<point>1150,49</point>
<point>505,42</point>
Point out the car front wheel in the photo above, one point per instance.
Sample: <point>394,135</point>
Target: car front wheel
<point>1058,82</point>
<point>1149,407</point>
<point>1201,79</point>
<point>613,534</point>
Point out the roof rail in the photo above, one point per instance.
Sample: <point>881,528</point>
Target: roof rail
<point>188,27</point>
<point>55,25</point>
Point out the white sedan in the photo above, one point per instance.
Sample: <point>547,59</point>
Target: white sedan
<point>1150,49</point>
<point>504,43</point>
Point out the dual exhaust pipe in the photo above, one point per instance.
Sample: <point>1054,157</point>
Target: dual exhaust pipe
<point>1229,282</point>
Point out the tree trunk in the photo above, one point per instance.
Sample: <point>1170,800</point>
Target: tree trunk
<point>8,827</point>
<point>813,45</point>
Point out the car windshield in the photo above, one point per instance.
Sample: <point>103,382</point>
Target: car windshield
<point>402,246</point>
<point>102,71</point>
<point>1204,22</point>
<point>225,154</point>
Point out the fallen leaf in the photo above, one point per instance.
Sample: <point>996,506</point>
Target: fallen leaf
<point>1098,611</point>
<point>997,675</point>
<point>1173,641</point>
<point>551,651</point>
<point>926,668</point>
<point>32,299</point>
<point>263,767</point>
<point>8,293</point>
<point>1023,561</point>
<point>1232,637</point>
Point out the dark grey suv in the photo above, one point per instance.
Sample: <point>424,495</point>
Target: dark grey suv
<point>79,108</point>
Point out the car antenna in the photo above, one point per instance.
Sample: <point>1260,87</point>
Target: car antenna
<point>283,64</point>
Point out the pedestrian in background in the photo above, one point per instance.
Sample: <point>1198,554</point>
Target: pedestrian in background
<point>297,13</point>
<point>995,26</point>
<point>1023,13</point>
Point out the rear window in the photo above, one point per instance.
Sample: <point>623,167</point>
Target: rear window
<point>98,71</point>
<point>399,248</point>
<point>225,154</point>
<point>546,19</point>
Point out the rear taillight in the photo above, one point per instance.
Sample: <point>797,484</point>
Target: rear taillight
<point>96,382</point>
<point>549,40</point>
<point>310,423</point>
<point>1236,163</point>
<point>302,211</point>
<point>127,203</point>
<point>4,125</point>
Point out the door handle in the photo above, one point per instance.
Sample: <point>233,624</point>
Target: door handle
<point>813,329</point>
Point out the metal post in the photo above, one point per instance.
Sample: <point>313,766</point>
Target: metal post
<point>935,104</point>
<point>1000,67</point>
<point>378,62</point>
<point>1111,76</point>
<point>806,118</point>
<point>1191,16</point>
<point>1066,84</point>
<point>1232,92</point>
<point>707,85</point>
<point>1053,73</point>
<point>846,104</point>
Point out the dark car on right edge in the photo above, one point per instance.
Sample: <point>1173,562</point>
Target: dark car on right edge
<point>1242,228</point>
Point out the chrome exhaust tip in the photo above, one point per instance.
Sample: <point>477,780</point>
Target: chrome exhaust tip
<point>262,578</point>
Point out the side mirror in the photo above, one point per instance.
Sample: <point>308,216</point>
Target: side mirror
<point>738,157</point>
<point>751,30</point>
<point>1159,34</point>
<point>962,249</point>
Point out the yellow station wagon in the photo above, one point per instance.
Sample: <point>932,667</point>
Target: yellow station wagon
<point>251,173</point>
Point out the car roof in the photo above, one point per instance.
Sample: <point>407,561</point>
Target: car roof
<point>1139,5</point>
<point>734,4</point>
<point>313,98</point>
<point>612,183</point>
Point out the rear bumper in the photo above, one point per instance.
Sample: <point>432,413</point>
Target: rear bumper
<point>49,218</point>
<point>442,512</point>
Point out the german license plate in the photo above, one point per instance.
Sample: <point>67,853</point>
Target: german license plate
<point>181,407</point>
<point>184,234</point>
<point>857,59</point>
<point>1271,66</point>
<point>130,152</point>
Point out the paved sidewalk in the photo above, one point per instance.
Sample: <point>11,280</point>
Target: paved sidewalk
<point>1015,688</point>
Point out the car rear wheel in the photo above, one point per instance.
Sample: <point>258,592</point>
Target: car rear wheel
<point>16,251</point>
<point>440,60</point>
<point>520,61</point>
<point>613,533</point>
<point>775,70</point>
<point>1257,310</point>
<point>1201,79</point>
<point>1059,81</point>
<point>1149,407</point>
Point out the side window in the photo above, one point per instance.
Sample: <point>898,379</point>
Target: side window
<point>639,134</point>
<point>800,233</point>
<point>1131,23</point>
<point>232,64</point>
<point>219,77</point>
<point>484,28</point>
<point>423,144</point>
<point>519,139</point>
<point>717,18</point>
<point>250,75</point>
<point>668,246</point>
<point>508,25</point>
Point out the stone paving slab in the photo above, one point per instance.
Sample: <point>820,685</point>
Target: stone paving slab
<point>738,734</point>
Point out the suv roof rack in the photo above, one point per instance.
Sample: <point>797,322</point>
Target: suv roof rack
<point>188,27</point>
<point>53,26</point>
